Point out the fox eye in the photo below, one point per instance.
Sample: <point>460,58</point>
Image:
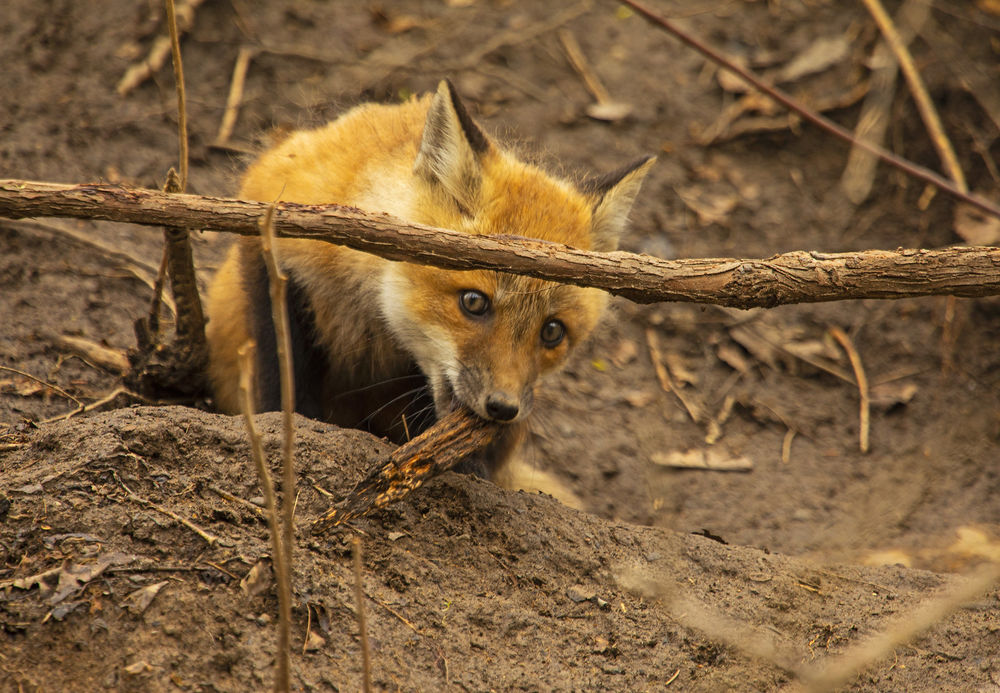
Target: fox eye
<point>473,302</point>
<point>553,333</point>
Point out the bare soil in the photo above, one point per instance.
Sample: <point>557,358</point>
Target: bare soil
<point>470,587</point>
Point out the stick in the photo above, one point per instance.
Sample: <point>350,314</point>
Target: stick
<point>175,54</point>
<point>277,283</point>
<point>55,388</point>
<point>436,450</point>
<point>796,277</point>
<point>359,599</point>
<point>282,678</point>
<point>862,379</point>
<point>821,121</point>
<point>235,95</point>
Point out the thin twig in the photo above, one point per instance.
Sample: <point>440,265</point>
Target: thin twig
<point>90,406</point>
<point>226,495</point>
<point>277,282</point>
<point>919,92</point>
<point>211,539</point>
<point>912,169</point>
<point>359,599</point>
<point>55,388</point>
<point>282,679</point>
<point>243,59</point>
<point>175,54</point>
<point>862,381</point>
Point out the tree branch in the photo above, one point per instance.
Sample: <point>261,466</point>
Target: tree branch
<point>795,277</point>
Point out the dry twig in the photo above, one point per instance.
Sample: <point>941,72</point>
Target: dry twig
<point>277,283</point>
<point>55,388</point>
<point>359,600</point>
<point>862,382</point>
<point>282,679</point>
<point>243,59</point>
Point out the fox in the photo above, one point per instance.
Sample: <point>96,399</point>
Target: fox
<point>390,347</point>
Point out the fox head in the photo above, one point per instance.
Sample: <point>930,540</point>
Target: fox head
<point>485,338</point>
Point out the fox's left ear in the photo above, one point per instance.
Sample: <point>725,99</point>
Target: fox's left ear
<point>613,195</point>
<point>451,147</point>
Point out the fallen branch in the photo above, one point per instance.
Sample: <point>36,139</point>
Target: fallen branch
<point>795,277</point>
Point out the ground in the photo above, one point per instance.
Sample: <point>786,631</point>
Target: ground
<point>814,548</point>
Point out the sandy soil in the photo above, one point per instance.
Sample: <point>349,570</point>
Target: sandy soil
<point>469,587</point>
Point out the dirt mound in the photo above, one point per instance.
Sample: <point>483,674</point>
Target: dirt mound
<point>467,585</point>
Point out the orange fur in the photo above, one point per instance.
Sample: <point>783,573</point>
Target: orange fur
<point>424,161</point>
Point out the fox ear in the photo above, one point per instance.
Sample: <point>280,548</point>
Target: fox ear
<point>451,146</point>
<point>612,195</point>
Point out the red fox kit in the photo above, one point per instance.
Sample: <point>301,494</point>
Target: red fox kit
<point>387,346</point>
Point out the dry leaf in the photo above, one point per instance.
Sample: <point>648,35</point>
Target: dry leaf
<point>730,355</point>
<point>819,55</point>
<point>137,602</point>
<point>609,111</point>
<point>258,579</point>
<point>624,353</point>
<point>639,398</point>
<point>888,395</point>
<point>711,207</point>
<point>139,667</point>
<point>314,641</point>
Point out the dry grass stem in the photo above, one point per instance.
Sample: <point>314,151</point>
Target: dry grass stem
<point>840,670</point>
<point>359,600</point>
<point>919,92</point>
<point>282,679</point>
<point>235,97</point>
<point>209,538</point>
<point>786,446</point>
<point>862,382</point>
<point>175,54</point>
<point>278,283</point>
<point>55,388</point>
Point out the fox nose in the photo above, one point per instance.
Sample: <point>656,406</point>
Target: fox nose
<point>501,407</point>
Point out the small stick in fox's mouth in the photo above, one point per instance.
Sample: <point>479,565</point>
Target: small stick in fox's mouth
<point>438,449</point>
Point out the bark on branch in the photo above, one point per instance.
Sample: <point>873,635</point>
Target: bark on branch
<point>795,277</point>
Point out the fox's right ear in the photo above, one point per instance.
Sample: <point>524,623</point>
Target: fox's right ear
<point>451,146</point>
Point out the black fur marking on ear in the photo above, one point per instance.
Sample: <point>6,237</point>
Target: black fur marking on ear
<point>599,186</point>
<point>476,138</point>
<point>308,360</point>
